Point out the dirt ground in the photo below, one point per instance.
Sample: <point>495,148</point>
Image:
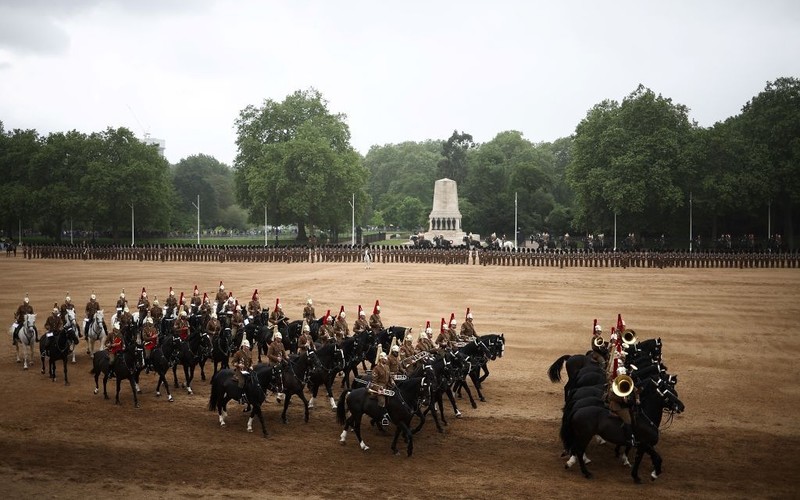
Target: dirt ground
<point>731,336</point>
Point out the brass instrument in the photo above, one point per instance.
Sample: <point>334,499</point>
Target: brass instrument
<point>622,386</point>
<point>629,338</point>
<point>598,342</point>
<point>413,359</point>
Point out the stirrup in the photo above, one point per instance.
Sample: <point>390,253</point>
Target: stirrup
<point>385,421</point>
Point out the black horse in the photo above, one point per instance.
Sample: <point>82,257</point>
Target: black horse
<point>355,350</point>
<point>258,333</point>
<point>60,347</point>
<point>196,348</point>
<point>408,396</point>
<point>295,375</point>
<point>448,367</point>
<point>478,354</point>
<point>583,423</point>
<point>224,387</point>
<point>162,358</point>
<point>221,350</point>
<point>331,362</point>
<point>384,339</point>
<point>127,366</point>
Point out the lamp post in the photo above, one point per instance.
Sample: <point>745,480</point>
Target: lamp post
<point>197,206</point>
<point>70,231</point>
<point>353,221</point>
<point>769,220</point>
<point>20,232</point>
<point>615,231</point>
<point>132,225</point>
<point>516,226</point>
<point>265,225</point>
<point>691,232</point>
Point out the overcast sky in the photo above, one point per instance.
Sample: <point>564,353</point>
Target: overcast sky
<point>411,70</point>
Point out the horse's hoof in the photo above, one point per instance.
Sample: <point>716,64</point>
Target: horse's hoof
<point>653,476</point>
<point>483,400</point>
<point>42,371</point>
<point>474,406</point>
<point>250,430</point>
<point>171,399</point>
<point>588,475</point>
<point>458,415</point>
<point>138,405</point>
<point>24,367</point>
<point>73,361</point>
<point>19,361</point>
<point>158,394</point>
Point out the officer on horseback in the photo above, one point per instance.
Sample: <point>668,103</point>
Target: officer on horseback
<point>150,339</point>
<point>375,319</point>
<point>52,325</point>
<point>621,404</point>
<point>277,316</point>
<point>143,306</point>
<point>242,365</point>
<point>91,309</point>
<point>254,306</point>
<point>171,303</point>
<point>65,307</point>
<point>114,344</point>
<point>276,354</point>
<point>361,323</point>
<point>122,303</point>
<point>467,328</point>
<point>340,328</point>
<point>381,380</point>
<point>19,318</point>
<point>305,341</point>
<point>308,311</point>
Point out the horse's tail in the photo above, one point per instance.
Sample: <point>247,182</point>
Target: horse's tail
<point>216,392</point>
<point>554,372</point>
<point>341,409</point>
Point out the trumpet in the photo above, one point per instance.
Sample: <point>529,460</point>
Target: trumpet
<point>629,338</point>
<point>622,386</point>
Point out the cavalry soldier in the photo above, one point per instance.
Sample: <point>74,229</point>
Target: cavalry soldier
<point>361,324</point>
<point>196,301</point>
<point>221,297</point>
<point>443,339</point>
<point>171,303</point>
<point>68,306</point>
<point>122,303</point>
<point>326,328</point>
<point>242,362</point>
<point>424,342</point>
<point>340,328</point>
<point>452,333</point>
<point>181,326</point>
<point>380,381</point>
<point>91,309</point>
<point>467,329</point>
<point>150,339</point>
<point>183,305</point>
<point>375,319</point>
<point>52,325</point>
<point>621,404</point>
<point>206,309</point>
<point>304,341</point>
<point>19,318</point>
<point>308,311</point>
<point>394,359</point>
<point>277,316</point>
<point>143,305</point>
<point>114,345</point>
<point>156,313</point>
<point>236,319</point>
<point>254,306</point>
<point>407,349</point>
<point>126,318</point>
<point>213,328</point>
<point>276,353</point>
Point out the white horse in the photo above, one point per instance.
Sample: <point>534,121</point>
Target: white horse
<point>96,333</point>
<point>27,337</point>
<point>71,323</point>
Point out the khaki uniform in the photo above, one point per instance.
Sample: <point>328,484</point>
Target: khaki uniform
<point>242,362</point>
<point>213,327</point>
<point>425,344</point>
<point>340,329</point>
<point>360,325</point>
<point>253,308</point>
<point>394,363</point>
<point>380,380</point>
<point>308,313</point>
<point>304,342</point>
<point>276,352</point>
<point>467,330</point>
<point>375,323</point>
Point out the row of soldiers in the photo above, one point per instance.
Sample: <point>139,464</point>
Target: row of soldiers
<point>402,254</point>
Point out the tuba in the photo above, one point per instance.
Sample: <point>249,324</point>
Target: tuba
<point>622,386</point>
<point>598,342</point>
<point>629,338</point>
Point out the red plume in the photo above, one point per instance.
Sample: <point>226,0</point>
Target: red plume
<point>143,291</point>
<point>196,290</point>
<point>359,310</point>
<point>277,301</point>
<point>452,317</point>
<point>594,327</point>
<point>467,313</point>
<point>375,309</point>
<point>180,301</point>
<point>341,310</point>
<point>442,326</point>
<point>255,292</point>
<point>205,296</point>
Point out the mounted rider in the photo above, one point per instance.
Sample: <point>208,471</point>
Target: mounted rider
<point>467,328</point>
<point>126,318</point>
<point>213,327</point>
<point>622,403</point>
<point>143,306</point>
<point>242,362</point>
<point>181,326</point>
<point>196,301</point>
<point>394,358</point>
<point>52,326</point>
<point>221,297</point>
<point>122,303</point>
<point>361,324</point>
<point>115,345</point>
<point>381,380</point>
<point>424,342</point>
<point>326,328</point>
<point>340,329</point>
<point>91,309</point>
<point>65,308</point>
<point>277,355</point>
<point>156,313</point>
<point>19,318</point>
<point>407,349</point>
<point>443,339</point>
<point>254,306</point>
<point>277,316</point>
<point>304,341</point>
<point>375,319</point>
<point>308,311</point>
<point>237,319</point>
<point>452,332</point>
<point>171,304</point>
<point>150,339</point>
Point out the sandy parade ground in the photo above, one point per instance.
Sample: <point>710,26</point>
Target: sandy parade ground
<point>732,336</point>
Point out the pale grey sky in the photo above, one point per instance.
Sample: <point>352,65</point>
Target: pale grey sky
<point>400,71</point>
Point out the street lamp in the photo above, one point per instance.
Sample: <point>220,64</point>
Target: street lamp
<point>516,225</point>
<point>615,231</point>
<point>691,235</point>
<point>197,206</point>
<point>265,225</point>
<point>353,221</point>
<point>132,224</point>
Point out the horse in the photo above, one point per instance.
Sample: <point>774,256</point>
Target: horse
<point>258,332</point>
<point>384,339</point>
<point>221,349</point>
<point>196,348</point>
<point>400,408</point>
<point>60,347</point>
<point>127,366</point>
<point>331,361</point>
<point>355,349</point>
<point>447,368</point>
<point>295,375</point>
<point>163,357</point>
<point>478,354</point>
<point>224,387</point>
<point>95,333</point>
<point>583,423</point>
<point>496,344</point>
<point>71,324</point>
<point>27,336</point>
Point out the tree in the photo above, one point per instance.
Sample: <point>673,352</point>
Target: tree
<point>454,164</point>
<point>295,158</point>
<point>631,159</point>
<point>410,213</point>
<point>211,179</point>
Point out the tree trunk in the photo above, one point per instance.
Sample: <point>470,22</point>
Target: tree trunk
<point>301,233</point>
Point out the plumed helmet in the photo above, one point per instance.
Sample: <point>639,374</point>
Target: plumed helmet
<point>453,319</point>
<point>278,336</point>
<point>93,296</point>
<point>395,348</point>
<point>255,294</point>
<point>361,311</point>
<point>221,286</point>
<point>26,299</point>
<point>382,355</point>
<point>423,335</point>
<point>68,299</point>
<point>122,294</point>
<point>409,337</point>
<point>55,308</point>
<point>155,301</point>
<point>183,314</point>
<point>443,326</point>
<point>246,343</point>
<point>205,297</point>
<point>428,328</point>
<point>180,300</point>
<point>171,292</point>
<point>144,292</point>
<point>309,301</point>
<point>469,314</point>
<point>342,313</point>
<point>621,370</point>
<point>377,308</point>
<point>598,329</point>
